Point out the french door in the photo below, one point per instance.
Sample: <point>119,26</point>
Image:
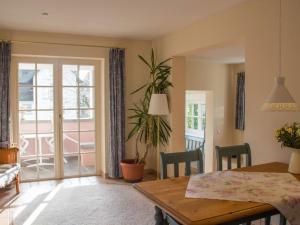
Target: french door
<point>56,102</point>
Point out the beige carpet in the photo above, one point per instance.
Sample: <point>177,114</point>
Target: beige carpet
<point>97,204</point>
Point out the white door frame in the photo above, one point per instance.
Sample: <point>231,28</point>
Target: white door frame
<point>57,73</point>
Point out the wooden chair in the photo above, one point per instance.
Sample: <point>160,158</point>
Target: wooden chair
<point>233,151</point>
<point>237,151</point>
<point>175,158</point>
<point>181,157</point>
<point>9,169</point>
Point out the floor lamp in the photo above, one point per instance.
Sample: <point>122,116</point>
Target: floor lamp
<point>158,107</point>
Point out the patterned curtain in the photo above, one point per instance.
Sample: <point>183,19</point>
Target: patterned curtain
<point>117,111</point>
<point>240,102</point>
<point>5,57</point>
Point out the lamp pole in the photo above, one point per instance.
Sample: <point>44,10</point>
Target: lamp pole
<point>157,148</point>
<point>158,106</point>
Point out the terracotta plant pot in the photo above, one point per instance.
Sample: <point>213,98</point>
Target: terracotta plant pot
<point>132,172</point>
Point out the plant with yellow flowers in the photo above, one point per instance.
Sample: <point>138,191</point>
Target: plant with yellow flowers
<point>289,135</point>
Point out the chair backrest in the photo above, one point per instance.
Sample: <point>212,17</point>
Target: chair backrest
<point>179,157</point>
<point>233,151</point>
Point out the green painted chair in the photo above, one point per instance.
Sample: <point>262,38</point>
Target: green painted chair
<point>175,158</point>
<point>180,157</point>
<point>230,152</point>
<point>237,151</point>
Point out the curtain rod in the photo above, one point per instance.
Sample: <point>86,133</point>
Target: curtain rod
<point>56,43</point>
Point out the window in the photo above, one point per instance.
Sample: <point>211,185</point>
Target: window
<point>56,113</point>
<point>78,85</point>
<point>195,119</point>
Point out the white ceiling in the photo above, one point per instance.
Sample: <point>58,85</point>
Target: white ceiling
<point>138,19</point>
<point>228,54</point>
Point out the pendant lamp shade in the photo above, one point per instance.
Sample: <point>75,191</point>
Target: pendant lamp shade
<point>280,99</point>
<point>158,105</point>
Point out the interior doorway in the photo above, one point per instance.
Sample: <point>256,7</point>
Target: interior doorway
<point>210,83</point>
<point>195,119</point>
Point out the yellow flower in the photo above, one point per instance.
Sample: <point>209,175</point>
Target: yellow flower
<point>289,130</point>
<point>298,132</point>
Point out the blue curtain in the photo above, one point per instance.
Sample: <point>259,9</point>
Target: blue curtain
<point>240,102</point>
<point>117,111</point>
<point>5,57</point>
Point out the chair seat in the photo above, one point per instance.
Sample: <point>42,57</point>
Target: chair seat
<point>8,173</point>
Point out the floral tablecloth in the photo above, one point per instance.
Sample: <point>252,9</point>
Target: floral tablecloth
<point>281,190</point>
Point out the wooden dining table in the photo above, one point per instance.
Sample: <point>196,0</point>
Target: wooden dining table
<point>169,197</point>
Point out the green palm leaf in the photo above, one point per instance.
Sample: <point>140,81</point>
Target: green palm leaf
<point>144,126</point>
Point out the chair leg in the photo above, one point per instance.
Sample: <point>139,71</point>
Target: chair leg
<point>18,184</point>
<point>282,220</point>
<point>268,220</point>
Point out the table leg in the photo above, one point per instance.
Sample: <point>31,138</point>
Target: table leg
<point>159,217</point>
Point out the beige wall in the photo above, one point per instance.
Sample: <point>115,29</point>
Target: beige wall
<point>214,77</point>
<point>136,72</point>
<point>255,22</point>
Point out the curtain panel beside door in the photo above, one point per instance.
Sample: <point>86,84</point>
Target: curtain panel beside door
<point>5,58</point>
<point>117,111</point>
<point>240,102</point>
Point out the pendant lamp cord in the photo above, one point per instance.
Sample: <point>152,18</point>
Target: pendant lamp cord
<point>280,39</point>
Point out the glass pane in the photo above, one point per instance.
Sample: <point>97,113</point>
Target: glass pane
<point>87,120</point>
<point>46,145</point>
<point>87,142</point>
<point>71,165</point>
<point>86,97</point>
<point>27,123</point>
<point>196,123</point>
<point>86,114</point>
<point>70,121</point>
<point>70,142</point>
<point>70,98</point>
<point>26,74</point>
<point>189,122</point>
<point>196,109</point>
<point>87,163</point>
<point>190,107</point>
<point>44,75</point>
<point>26,98</point>
<point>45,98</point>
<point>203,124</point>
<point>203,110</point>
<point>46,167</point>
<point>28,168</point>
<point>86,76</point>
<point>69,75</point>
<point>45,121</point>
<point>27,145</point>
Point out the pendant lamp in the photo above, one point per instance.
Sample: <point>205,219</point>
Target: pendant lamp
<point>280,98</point>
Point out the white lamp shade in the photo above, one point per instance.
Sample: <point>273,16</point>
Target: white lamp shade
<point>280,99</point>
<point>158,105</point>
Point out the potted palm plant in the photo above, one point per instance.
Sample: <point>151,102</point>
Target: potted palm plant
<point>145,126</point>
